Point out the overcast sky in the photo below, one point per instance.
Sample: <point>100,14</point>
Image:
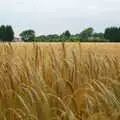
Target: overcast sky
<point>56,16</point>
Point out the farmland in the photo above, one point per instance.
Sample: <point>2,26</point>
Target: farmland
<point>59,81</point>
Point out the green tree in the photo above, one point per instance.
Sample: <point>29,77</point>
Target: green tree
<point>86,33</point>
<point>28,35</point>
<point>9,33</point>
<point>6,33</point>
<point>67,33</point>
<point>112,34</point>
<point>2,33</point>
<point>65,36</point>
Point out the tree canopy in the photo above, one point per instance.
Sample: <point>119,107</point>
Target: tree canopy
<point>6,33</point>
<point>28,35</point>
<point>112,34</point>
<point>86,33</point>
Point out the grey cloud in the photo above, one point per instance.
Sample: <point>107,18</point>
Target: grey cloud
<point>55,16</point>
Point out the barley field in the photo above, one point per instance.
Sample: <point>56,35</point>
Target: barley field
<point>59,81</point>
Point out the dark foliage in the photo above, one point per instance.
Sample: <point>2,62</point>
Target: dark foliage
<point>112,34</point>
<point>28,35</point>
<point>6,33</point>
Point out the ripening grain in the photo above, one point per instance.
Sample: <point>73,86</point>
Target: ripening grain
<point>59,81</point>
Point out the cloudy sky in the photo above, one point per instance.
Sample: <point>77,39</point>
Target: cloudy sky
<point>56,16</point>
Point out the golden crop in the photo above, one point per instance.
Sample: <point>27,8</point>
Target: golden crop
<point>59,81</point>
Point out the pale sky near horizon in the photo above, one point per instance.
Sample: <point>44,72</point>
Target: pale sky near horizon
<point>56,16</point>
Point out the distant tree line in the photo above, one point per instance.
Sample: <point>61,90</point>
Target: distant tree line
<point>111,34</point>
<point>87,35</point>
